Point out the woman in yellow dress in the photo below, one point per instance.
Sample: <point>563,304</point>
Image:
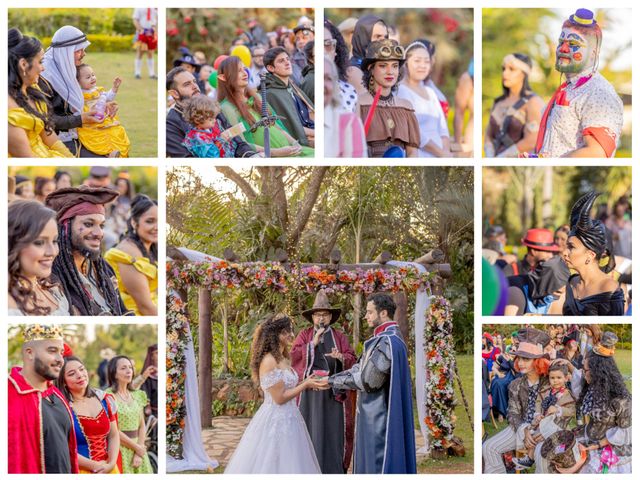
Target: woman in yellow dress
<point>30,129</point>
<point>135,258</point>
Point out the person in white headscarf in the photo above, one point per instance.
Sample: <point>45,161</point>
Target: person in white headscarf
<point>60,85</point>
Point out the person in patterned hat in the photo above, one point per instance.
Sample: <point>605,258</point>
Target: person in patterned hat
<point>584,117</point>
<point>41,436</point>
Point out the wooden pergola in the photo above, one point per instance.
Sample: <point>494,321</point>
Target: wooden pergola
<point>433,262</point>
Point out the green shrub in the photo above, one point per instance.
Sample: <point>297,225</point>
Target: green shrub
<point>43,22</point>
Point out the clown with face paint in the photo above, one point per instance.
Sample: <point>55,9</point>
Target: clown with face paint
<point>584,116</point>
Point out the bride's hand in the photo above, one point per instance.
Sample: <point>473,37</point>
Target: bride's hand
<point>316,383</point>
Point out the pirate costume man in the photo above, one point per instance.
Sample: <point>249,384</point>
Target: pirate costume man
<point>328,414</point>
<point>389,121</point>
<point>585,106</point>
<point>91,287</point>
<point>41,437</point>
<point>525,400</point>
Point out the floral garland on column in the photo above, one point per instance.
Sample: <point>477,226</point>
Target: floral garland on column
<point>439,358</point>
<point>219,276</point>
<point>177,342</point>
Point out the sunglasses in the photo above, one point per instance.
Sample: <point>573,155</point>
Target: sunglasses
<point>330,44</point>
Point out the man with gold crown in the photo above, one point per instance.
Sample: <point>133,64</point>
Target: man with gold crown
<point>584,116</point>
<point>41,437</point>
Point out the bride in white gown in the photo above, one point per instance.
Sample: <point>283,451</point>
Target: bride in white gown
<point>276,440</point>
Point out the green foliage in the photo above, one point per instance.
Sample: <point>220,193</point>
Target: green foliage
<point>43,22</point>
<point>362,211</point>
<point>505,187</point>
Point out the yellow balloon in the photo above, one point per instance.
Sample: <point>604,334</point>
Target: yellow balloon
<point>243,53</point>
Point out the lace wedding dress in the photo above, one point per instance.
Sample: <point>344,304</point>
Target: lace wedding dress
<point>276,440</point>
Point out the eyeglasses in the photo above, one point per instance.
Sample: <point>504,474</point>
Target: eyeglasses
<point>321,314</point>
<point>330,44</point>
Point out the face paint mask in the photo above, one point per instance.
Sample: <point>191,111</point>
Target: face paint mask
<point>574,51</point>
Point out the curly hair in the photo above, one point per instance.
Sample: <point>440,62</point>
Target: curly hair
<point>199,109</point>
<point>606,380</point>
<point>266,339</point>
<point>27,219</point>
<point>342,51</point>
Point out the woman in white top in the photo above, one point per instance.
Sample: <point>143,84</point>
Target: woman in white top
<point>434,132</point>
<point>276,440</point>
<point>33,245</point>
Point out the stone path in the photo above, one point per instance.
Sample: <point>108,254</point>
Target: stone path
<point>221,441</point>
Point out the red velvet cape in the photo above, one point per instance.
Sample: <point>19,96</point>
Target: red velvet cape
<point>25,441</point>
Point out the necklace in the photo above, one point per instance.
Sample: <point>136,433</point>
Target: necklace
<point>387,99</point>
<point>126,398</point>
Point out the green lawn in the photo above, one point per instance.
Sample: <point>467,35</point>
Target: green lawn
<point>137,99</point>
<point>463,427</point>
<point>623,359</point>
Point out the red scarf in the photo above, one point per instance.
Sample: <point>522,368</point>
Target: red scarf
<point>558,98</point>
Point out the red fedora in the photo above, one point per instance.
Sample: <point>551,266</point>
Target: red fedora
<point>540,239</point>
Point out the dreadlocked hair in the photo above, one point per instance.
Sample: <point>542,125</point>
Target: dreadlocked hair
<point>64,269</point>
<point>606,380</point>
<point>21,46</point>
<point>140,205</point>
<point>266,339</point>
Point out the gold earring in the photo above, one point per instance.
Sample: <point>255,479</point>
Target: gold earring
<point>587,261</point>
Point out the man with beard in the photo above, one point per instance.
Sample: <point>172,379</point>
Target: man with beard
<point>41,435</point>
<point>584,116</point>
<point>182,85</point>
<point>384,435</point>
<point>328,415</point>
<point>88,281</point>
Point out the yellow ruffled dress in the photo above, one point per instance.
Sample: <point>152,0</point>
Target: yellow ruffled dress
<point>105,137</point>
<point>33,126</point>
<point>115,257</point>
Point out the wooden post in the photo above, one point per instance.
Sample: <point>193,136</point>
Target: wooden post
<point>357,314</point>
<point>225,337</point>
<point>400,317</point>
<point>204,356</point>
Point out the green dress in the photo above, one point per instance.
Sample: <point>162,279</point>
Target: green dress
<point>276,132</point>
<point>128,420</point>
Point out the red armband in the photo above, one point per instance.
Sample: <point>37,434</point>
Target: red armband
<point>604,136</point>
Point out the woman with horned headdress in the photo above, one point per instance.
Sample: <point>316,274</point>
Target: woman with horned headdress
<point>591,291</point>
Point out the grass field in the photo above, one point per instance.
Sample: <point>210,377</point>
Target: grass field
<point>137,99</point>
<point>623,359</point>
<point>463,427</point>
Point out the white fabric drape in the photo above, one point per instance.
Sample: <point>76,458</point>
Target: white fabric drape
<point>194,455</point>
<point>423,300</point>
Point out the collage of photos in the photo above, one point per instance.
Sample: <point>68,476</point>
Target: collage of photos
<point>331,312</point>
